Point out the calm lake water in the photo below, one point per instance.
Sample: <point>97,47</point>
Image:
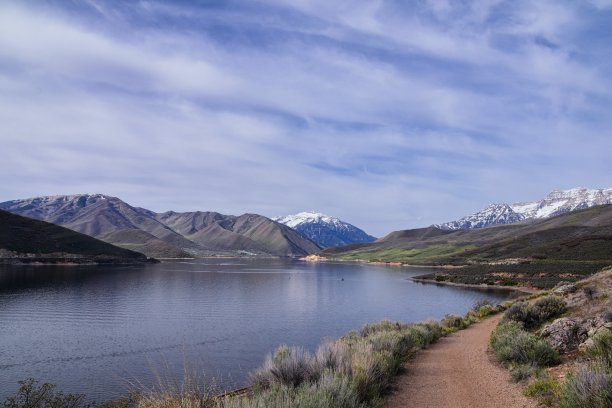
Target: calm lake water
<point>94,330</point>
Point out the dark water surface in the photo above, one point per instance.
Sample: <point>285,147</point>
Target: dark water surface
<point>93,330</point>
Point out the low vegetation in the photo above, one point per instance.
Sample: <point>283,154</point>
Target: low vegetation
<point>355,370</point>
<point>516,347</point>
<point>583,336</point>
<point>591,386</point>
<point>533,315</point>
<point>544,274</point>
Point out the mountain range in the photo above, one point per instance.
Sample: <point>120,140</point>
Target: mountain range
<point>25,240</point>
<point>556,203</point>
<point>165,235</point>
<point>561,246</point>
<point>324,230</point>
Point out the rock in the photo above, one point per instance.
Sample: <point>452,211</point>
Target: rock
<point>564,287</point>
<point>562,334</point>
<point>589,342</point>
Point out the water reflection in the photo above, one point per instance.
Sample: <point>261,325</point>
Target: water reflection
<point>89,329</point>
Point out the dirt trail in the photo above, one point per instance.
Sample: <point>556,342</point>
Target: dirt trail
<point>458,372</point>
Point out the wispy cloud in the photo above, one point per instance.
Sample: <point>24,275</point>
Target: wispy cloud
<point>387,114</point>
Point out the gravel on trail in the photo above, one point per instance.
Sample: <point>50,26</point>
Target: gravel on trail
<point>459,371</point>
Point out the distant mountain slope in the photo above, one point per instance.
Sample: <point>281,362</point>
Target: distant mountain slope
<point>326,231</point>
<point>167,234</point>
<point>563,201</point>
<point>28,240</point>
<point>582,235</point>
<point>555,203</point>
<point>494,214</point>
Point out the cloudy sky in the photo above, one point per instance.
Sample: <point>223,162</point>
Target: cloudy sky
<point>388,114</point>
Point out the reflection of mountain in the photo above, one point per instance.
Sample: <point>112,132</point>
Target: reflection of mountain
<point>168,234</point>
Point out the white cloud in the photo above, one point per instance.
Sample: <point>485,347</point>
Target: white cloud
<point>384,116</point>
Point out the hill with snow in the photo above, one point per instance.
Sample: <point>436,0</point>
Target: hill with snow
<point>324,230</point>
<point>556,203</point>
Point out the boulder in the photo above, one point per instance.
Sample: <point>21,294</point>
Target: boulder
<point>562,334</point>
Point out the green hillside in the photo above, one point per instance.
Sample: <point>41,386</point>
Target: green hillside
<point>27,240</point>
<point>563,247</point>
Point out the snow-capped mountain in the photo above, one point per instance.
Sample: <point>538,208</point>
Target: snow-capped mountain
<point>165,235</point>
<point>324,230</point>
<point>561,201</point>
<point>494,214</point>
<point>556,203</point>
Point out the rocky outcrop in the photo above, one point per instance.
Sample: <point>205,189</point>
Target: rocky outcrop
<point>562,334</point>
<point>563,288</point>
<point>568,334</point>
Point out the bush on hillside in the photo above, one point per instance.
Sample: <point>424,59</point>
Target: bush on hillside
<point>532,316</point>
<point>590,387</point>
<point>513,345</point>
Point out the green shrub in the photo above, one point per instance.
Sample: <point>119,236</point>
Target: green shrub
<point>522,372</point>
<point>590,387</point>
<point>453,323</point>
<point>512,344</point>
<point>601,350</point>
<point>550,307</point>
<point>532,316</point>
<point>544,388</point>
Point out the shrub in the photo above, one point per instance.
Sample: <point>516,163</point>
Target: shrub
<point>33,395</point>
<point>601,349</point>
<point>332,390</point>
<point>591,387</point>
<point>521,312</point>
<point>590,292</point>
<point>334,356</point>
<point>453,322</point>
<point>512,344</point>
<point>544,388</point>
<point>368,372</point>
<point>532,316</point>
<point>523,372</point>
<point>289,366</point>
<point>550,307</point>
<point>479,304</point>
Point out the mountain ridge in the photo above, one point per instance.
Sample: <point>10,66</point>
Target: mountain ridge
<point>555,203</point>
<point>169,234</point>
<point>324,230</point>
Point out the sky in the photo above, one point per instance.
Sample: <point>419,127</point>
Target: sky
<point>386,114</point>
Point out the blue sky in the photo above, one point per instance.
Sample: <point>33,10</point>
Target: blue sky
<point>388,114</point>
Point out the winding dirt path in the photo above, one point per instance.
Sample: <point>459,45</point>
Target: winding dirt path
<point>458,372</point>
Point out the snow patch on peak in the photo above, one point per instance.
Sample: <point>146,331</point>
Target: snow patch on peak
<point>493,214</point>
<point>326,231</point>
<point>555,203</point>
<point>307,217</point>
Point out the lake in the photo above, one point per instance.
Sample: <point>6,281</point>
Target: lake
<point>96,330</point>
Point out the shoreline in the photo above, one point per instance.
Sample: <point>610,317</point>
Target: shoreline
<point>523,289</point>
